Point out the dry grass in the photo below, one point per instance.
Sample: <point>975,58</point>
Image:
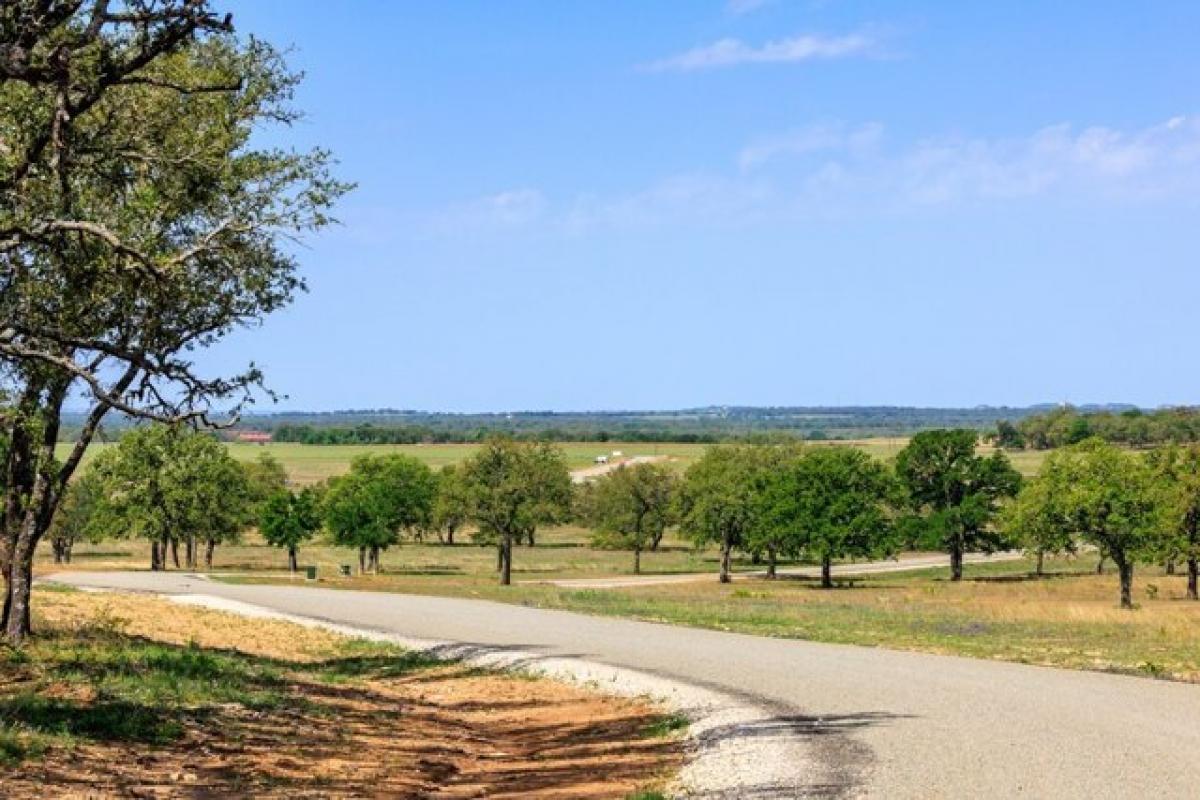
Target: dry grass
<point>128,696</point>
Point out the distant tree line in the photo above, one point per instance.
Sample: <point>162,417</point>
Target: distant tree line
<point>1134,427</point>
<point>367,433</point>
<point>701,425</point>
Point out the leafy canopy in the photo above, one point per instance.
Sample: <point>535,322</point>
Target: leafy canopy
<point>829,503</point>
<point>171,483</point>
<point>957,491</point>
<point>379,497</point>
<point>630,507</point>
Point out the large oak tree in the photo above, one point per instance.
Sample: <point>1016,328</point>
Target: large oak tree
<point>512,488</point>
<point>956,492</point>
<point>139,221</point>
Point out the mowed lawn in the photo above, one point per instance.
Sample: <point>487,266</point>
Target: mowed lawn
<point>308,464</point>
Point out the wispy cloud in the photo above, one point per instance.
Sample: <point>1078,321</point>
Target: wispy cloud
<point>732,52</point>
<point>739,7</point>
<point>812,139</point>
<point>842,171</point>
<point>509,209</point>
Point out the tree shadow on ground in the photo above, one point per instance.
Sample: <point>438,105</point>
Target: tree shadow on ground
<point>360,725</point>
<point>1029,577</point>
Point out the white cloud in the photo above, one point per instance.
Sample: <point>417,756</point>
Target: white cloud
<point>739,7</point>
<point>1144,162</point>
<point>504,210</point>
<point>813,139</point>
<point>731,52</point>
<point>834,170</point>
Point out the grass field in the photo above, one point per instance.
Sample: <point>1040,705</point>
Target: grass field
<point>129,696</point>
<point>1069,618</point>
<point>308,464</point>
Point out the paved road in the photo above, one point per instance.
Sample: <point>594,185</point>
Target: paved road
<point>902,564</point>
<point>879,723</point>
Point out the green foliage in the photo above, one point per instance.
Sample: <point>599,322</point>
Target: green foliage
<point>631,507</point>
<point>956,492</point>
<point>1178,469</point>
<point>378,499</point>
<point>828,503</point>
<point>265,478</point>
<point>718,501</point>
<point>1034,522</point>
<point>1067,425</point>
<point>143,221</point>
<point>452,506</point>
<point>1109,498</point>
<point>169,483</point>
<point>1009,435</point>
<point>288,519</point>
<point>512,488</point>
<point>80,515</point>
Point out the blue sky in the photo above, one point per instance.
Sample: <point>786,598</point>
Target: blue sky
<point>569,205</point>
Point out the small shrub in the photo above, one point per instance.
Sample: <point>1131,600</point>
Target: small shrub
<point>665,726</point>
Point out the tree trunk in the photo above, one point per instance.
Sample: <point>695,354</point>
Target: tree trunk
<point>189,551</point>
<point>155,560</point>
<point>67,551</point>
<point>1170,566</point>
<point>1193,565</point>
<point>1100,565</point>
<point>532,543</point>
<point>208,553</point>
<point>1041,561</point>
<point>506,560</point>
<point>450,535</point>
<point>956,562</point>
<point>292,565</point>
<point>18,584</point>
<point>58,556</point>
<point>826,572</point>
<point>726,558</point>
<point>655,542</point>
<point>362,561</point>
<point>175,552</point>
<point>374,559</point>
<point>637,561</point>
<point>771,563</point>
<point>1125,570</point>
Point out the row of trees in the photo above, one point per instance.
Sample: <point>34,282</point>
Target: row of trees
<point>1131,507</point>
<point>171,486</point>
<point>448,433</point>
<point>1066,426</point>
<point>177,487</point>
<point>829,503</point>
<point>824,504</point>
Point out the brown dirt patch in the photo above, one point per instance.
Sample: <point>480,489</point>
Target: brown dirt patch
<point>441,731</point>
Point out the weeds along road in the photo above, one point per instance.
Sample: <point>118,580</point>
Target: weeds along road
<point>875,723</point>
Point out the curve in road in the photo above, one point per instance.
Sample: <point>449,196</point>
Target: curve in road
<point>873,722</point>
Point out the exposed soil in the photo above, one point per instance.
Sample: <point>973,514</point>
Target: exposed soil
<point>436,732</point>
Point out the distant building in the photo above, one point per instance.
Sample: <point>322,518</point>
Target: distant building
<point>253,437</point>
<point>601,459</point>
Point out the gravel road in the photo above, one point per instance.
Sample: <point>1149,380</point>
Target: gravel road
<point>906,563</point>
<point>873,723</point>
<point>587,473</point>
